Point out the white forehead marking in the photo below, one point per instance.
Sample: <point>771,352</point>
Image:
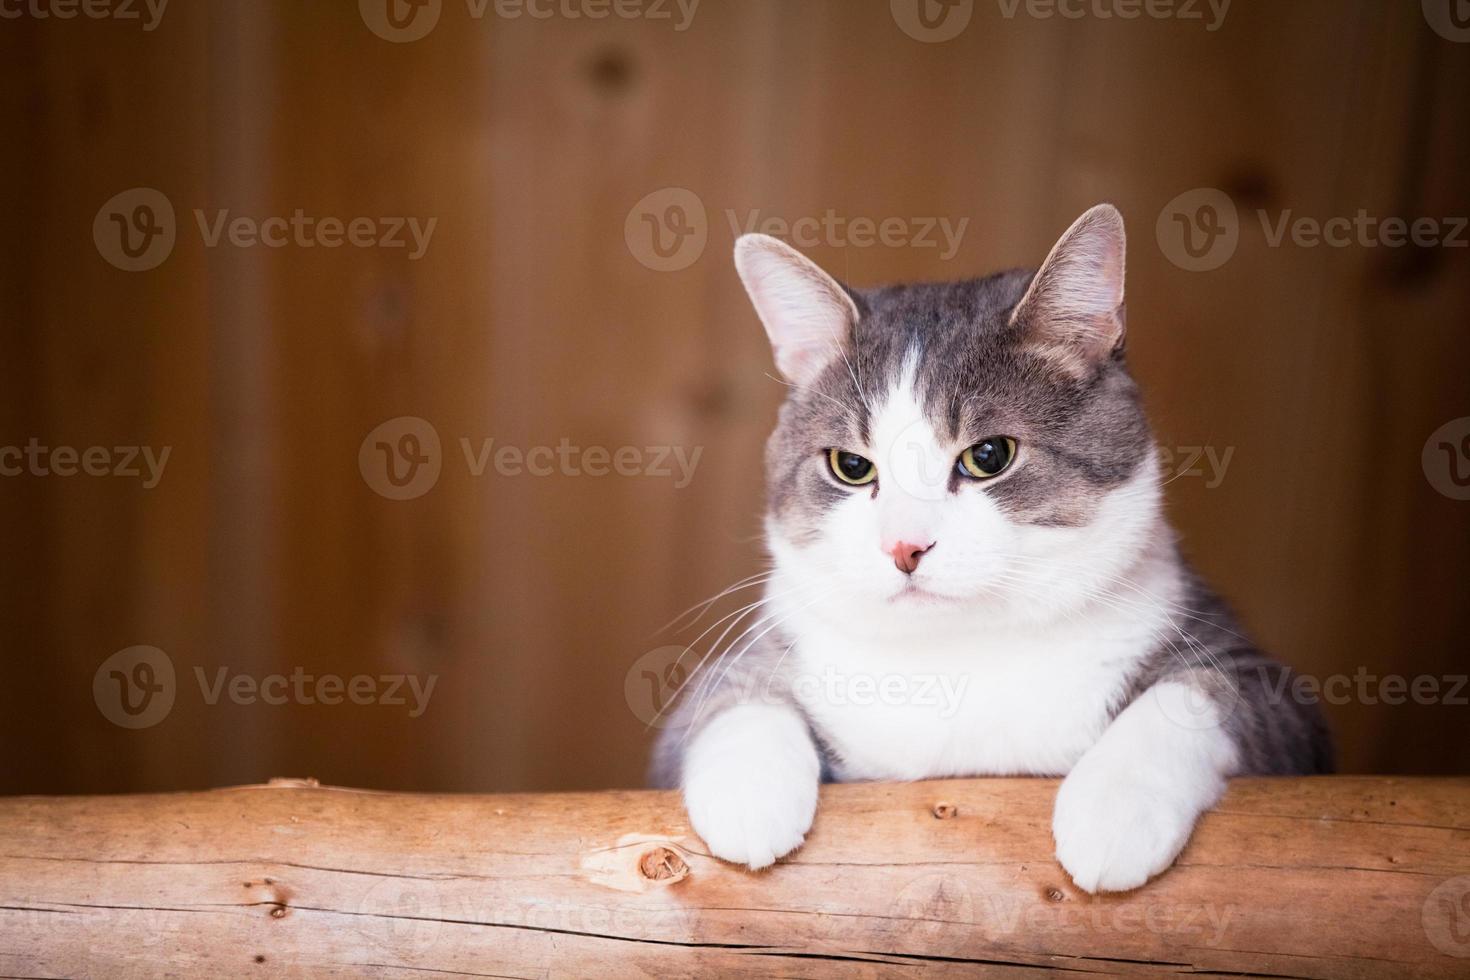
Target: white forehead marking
<point>910,458</point>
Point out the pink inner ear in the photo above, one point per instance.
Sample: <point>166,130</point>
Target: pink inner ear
<point>800,362</point>
<point>1073,308</point>
<point>1084,274</point>
<point>806,314</point>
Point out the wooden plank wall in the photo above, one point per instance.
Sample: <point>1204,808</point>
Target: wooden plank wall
<point>531,320</point>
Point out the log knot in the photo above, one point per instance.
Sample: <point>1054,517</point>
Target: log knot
<point>663,864</point>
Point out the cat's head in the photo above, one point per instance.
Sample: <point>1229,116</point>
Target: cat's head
<point>948,447</point>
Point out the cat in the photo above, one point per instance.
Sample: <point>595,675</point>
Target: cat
<point>964,497</point>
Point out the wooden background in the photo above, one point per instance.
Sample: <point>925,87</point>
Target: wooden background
<point>530,320</point>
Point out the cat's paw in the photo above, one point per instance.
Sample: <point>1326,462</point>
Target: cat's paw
<point>1115,831</point>
<point>750,784</point>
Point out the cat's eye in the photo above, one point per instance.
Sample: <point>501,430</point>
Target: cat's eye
<point>988,458</point>
<point>851,468</point>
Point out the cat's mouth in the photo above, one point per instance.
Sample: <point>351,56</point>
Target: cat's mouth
<point>912,593</point>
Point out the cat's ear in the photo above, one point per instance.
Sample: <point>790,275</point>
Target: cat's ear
<point>807,314</point>
<point>1073,312</point>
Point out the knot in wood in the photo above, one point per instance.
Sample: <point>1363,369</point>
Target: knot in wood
<point>662,864</point>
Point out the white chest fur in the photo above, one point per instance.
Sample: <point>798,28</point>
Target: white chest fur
<point>977,701</point>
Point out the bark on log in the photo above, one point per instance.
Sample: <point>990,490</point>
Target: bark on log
<point>1330,877</point>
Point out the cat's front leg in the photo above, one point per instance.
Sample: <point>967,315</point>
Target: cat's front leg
<point>1128,807</point>
<point>750,777</point>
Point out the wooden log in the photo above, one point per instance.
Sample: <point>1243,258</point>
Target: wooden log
<point>1328,877</point>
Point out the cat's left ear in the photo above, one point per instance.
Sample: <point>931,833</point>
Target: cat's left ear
<point>807,314</point>
<point>1073,312</point>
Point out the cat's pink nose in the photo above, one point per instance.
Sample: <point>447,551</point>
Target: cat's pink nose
<point>906,556</point>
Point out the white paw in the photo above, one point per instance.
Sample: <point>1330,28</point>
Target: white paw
<point>1115,829</point>
<point>750,784</point>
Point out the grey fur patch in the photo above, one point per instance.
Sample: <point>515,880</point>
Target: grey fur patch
<point>978,376</point>
<point>1276,734</point>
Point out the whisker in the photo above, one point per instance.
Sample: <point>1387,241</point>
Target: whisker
<point>748,582</point>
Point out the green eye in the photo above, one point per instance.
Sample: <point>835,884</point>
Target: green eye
<point>988,458</point>
<point>851,468</point>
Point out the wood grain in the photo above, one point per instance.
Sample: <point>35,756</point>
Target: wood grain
<point>1329,877</point>
<point>529,321</point>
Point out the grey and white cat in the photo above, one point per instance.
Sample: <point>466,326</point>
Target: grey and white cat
<point>973,575</point>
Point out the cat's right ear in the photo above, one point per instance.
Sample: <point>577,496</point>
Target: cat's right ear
<point>807,314</point>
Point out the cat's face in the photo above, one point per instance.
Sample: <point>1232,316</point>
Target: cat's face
<point>953,447</point>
